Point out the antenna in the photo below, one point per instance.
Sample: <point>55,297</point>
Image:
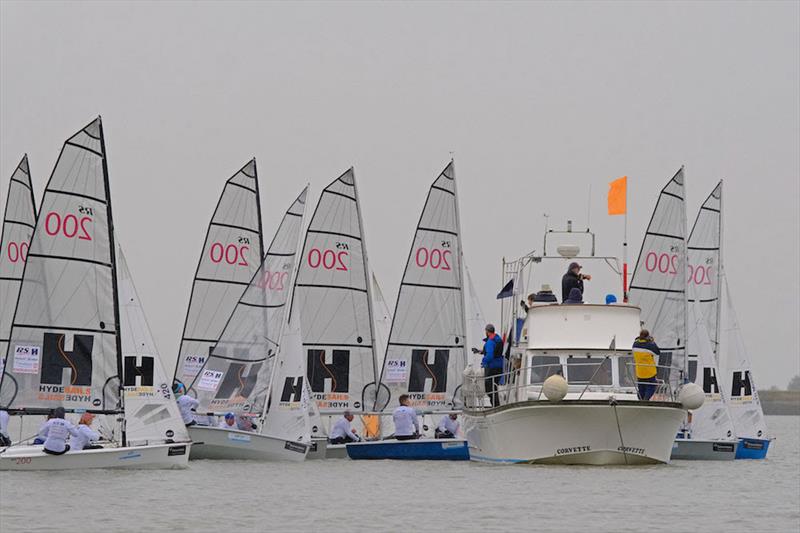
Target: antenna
<point>589,209</point>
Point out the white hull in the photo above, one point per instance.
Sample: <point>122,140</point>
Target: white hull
<point>704,450</point>
<point>574,432</point>
<point>337,451</point>
<point>158,456</point>
<point>319,449</point>
<point>220,443</point>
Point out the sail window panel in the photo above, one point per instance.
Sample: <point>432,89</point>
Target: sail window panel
<point>74,369</point>
<point>544,366</point>
<point>333,261</point>
<point>427,316</point>
<point>591,370</point>
<point>212,304</point>
<point>230,254</point>
<point>334,316</point>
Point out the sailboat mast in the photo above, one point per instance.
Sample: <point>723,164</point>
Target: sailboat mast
<point>461,265</point>
<point>114,285</point>
<point>375,374</point>
<point>720,278</point>
<point>258,213</point>
<point>685,269</point>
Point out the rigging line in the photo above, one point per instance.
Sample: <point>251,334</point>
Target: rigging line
<point>619,431</point>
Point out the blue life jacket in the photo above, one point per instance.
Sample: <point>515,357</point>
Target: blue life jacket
<point>492,352</point>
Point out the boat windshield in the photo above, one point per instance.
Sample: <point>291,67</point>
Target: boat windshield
<point>626,371</point>
<point>594,370</point>
<point>544,366</point>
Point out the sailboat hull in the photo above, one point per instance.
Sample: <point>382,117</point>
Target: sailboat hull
<point>703,450</point>
<point>413,450</point>
<point>752,448</point>
<point>583,432</point>
<point>226,444</point>
<point>157,456</point>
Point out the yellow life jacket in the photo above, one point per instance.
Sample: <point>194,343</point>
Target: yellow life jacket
<point>645,364</point>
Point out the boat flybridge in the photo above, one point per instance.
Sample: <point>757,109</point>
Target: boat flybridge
<point>569,393</point>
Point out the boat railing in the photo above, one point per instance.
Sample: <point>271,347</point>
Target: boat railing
<point>516,388</point>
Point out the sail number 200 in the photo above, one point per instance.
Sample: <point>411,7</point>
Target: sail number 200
<point>70,226</point>
<point>668,264</point>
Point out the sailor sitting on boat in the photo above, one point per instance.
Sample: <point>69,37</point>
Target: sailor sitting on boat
<point>406,423</point>
<point>186,405</point>
<point>448,427</point>
<point>86,435</point>
<point>228,421</point>
<point>342,432</point>
<point>56,431</point>
<point>40,437</point>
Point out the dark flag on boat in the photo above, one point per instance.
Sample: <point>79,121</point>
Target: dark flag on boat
<point>507,291</point>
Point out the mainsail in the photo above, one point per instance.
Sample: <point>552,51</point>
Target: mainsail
<point>151,414</point>
<point>238,371</point>
<point>18,225</point>
<point>231,256</point>
<point>333,302</point>
<point>705,262</point>
<point>426,354</point>
<point>658,285</point>
<point>476,323</point>
<point>64,347</point>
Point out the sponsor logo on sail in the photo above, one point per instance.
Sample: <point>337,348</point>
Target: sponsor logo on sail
<point>329,377</point>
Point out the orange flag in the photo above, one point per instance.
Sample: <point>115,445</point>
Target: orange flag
<point>617,196</point>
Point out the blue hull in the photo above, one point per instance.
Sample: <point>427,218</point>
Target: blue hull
<point>752,448</point>
<point>411,450</point>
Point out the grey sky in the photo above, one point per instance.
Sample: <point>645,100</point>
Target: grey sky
<point>538,102</point>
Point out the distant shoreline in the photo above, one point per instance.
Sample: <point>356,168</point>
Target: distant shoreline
<point>780,402</point>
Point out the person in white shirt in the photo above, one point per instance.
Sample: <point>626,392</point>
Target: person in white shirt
<point>228,421</point>
<point>5,438</point>
<point>83,441</point>
<point>448,427</point>
<point>342,432</point>
<point>56,431</point>
<point>186,405</point>
<point>406,423</point>
<point>39,437</point>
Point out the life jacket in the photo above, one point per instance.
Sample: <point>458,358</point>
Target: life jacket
<point>645,360</point>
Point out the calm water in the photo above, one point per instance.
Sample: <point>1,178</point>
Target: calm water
<point>342,495</point>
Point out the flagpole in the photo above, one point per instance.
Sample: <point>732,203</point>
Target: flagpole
<point>625,252</point>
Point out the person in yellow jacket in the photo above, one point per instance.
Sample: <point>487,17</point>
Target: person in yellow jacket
<point>645,351</point>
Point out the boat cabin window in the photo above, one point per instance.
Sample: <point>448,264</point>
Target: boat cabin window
<point>627,372</point>
<point>544,366</point>
<point>664,364</point>
<point>594,370</point>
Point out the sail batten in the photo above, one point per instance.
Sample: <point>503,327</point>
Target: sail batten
<point>231,256</point>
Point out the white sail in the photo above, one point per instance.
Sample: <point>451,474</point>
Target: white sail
<point>231,256</point>
<point>744,404</point>
<point>383,320</point>
<point>476,322</point>
<point>288,416</point>
<point>426,353</point>
<point>18,225</point>
<point>658,285</point>
<point>151,414</point>
<point>237,374</point>
<point>705,262</point>
<point>64,344</point>
<point>712,421</point>
<point>332,301</point>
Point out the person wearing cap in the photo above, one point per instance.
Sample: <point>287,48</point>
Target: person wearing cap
<point>448,427</point>
<point>186,405</point>
<point>573,279</point>
<point>545,295</point>
<point>86,435</point>
<point>56,431</point>
<point>492,363</point>
<point>406,422</point>
<point>228,421</point>
<point>342,431</point>
<point>645,351</point>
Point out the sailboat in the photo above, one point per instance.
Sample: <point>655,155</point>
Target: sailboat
<point>333,302</point>
<point>231,255</point>
<point>241,372</point>
<point>426,353</point>
<point>476,323</point>
<point>19,222</point>
<point>66,347</point>
<point>712,301</point>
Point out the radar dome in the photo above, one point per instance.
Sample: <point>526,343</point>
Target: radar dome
<point>691,396</point>
<point>555,388</point>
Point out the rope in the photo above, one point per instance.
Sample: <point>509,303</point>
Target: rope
<point>613,403</point>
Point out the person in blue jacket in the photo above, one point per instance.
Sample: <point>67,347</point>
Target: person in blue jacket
<point>492,363</point>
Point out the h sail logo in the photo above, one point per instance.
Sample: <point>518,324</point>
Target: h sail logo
<point>428,374</point>
<point>237,382</point>
<point>710,385</point>
<point>292,390</point>
<point>329,374</point>
<point>138,373</point>
<point>741,384</point>
<point>77,362</point>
